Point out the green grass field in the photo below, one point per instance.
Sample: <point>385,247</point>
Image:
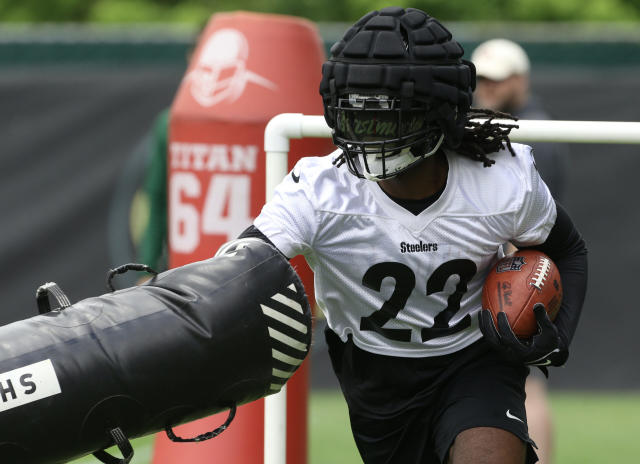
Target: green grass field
<point>590,428</point>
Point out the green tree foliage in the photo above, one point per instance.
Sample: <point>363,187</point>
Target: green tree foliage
<point>196,11</point>
<point>45,10</point>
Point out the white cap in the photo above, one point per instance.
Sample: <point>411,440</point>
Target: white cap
<point>498,59</point>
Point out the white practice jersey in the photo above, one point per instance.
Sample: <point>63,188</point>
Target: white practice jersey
<point>401,284</point>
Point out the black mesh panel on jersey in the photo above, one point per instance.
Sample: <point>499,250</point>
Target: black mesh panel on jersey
<point>402,53</point>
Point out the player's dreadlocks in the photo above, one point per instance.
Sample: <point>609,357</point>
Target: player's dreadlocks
<point>482,138</point>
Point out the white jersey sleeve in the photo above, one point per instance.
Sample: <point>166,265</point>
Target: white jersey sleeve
<point>537,213</point>
<point>289,218</point>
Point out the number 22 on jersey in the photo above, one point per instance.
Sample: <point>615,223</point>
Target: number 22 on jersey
<point>405,283</point>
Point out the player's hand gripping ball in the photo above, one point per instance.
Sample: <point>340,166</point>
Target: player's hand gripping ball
<point>516,284</point>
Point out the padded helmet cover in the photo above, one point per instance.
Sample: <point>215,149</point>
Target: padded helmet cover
<point>402,53</point>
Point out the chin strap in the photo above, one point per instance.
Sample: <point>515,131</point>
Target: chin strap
<point>436,148</point>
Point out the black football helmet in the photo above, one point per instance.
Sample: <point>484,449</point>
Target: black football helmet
<point>395,90</point>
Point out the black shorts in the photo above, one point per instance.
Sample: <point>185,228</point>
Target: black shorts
<point>410,410</point>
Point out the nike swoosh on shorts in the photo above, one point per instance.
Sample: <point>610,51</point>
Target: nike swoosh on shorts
<point>511,416</point>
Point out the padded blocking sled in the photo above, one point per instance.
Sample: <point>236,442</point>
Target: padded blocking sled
<point>191,342</point>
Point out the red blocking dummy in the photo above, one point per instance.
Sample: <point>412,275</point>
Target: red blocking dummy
<point>246,68</point>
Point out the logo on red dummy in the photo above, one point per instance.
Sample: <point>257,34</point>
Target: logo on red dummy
<point>221,72</point>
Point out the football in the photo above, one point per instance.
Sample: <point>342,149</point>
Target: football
<point>516,283</point>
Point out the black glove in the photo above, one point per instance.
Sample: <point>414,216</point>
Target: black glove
<point>544,349</point>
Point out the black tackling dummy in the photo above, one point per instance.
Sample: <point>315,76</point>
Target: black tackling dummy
<point>191,342</point>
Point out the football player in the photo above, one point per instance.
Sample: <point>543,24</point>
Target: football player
<point>401,226</point>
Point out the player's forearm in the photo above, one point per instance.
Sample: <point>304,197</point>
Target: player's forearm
<point>573,272</point>
<point>567,249</point>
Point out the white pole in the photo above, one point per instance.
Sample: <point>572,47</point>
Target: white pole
<point>575,131</point>
<point>286,126</point>
<point>275,427</point>
<point>278,132</point>
<point>294,125</point>
<point>275,406</point>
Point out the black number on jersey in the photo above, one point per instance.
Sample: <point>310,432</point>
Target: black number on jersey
<point>405,282</point>
<point>464,268</point>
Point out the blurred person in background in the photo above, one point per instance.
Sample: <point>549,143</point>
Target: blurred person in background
<point>503,84</point>
<point>151,249</point>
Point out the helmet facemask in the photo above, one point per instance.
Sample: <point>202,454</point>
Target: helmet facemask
<point>380,138</point>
